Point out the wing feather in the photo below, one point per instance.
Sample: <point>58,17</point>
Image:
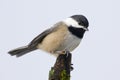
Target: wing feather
<point>41,36</point>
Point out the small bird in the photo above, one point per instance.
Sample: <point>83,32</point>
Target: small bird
<point>64,36</point>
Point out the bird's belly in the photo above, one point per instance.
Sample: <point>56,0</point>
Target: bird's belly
<point>53,43</point>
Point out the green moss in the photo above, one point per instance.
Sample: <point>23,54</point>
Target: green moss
<point>64,75</point>
<point>51,72</point>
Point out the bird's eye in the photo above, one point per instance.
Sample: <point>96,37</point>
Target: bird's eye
<point>79,23</point>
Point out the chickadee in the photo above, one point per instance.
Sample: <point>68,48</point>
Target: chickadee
<point>65,35</point>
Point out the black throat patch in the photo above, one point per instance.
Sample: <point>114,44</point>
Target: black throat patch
<point>79,32</point>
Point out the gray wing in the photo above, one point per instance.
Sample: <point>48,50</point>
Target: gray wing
<point>41,36</point>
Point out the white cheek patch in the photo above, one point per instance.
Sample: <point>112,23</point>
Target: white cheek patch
<point>72,22</point>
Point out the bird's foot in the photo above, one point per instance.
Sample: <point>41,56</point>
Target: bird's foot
<point>65,52</point>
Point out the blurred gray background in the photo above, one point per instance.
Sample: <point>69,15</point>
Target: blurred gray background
<point>98,56</point>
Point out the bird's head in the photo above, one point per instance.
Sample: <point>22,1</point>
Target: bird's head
<point>78,21</point>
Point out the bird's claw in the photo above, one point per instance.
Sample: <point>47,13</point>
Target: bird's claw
<point>63,52</point>
<point>66,53</point>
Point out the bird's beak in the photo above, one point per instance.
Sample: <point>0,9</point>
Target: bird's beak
<point>86,29</point>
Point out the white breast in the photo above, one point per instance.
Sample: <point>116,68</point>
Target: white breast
<point>70,42</point>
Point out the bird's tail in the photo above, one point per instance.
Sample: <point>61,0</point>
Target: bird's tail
<point>21,51</point>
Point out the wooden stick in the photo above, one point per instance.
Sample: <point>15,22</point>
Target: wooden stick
<point>62,68</point>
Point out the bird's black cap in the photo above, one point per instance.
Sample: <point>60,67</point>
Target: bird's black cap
<point>82,20</point>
